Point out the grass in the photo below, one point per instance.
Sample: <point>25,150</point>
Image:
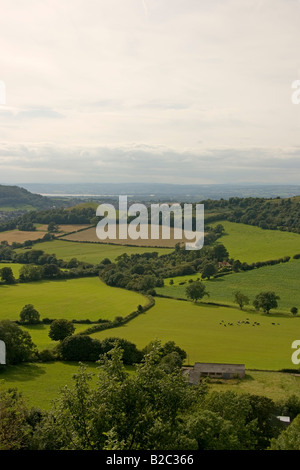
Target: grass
<point>40,383</point>
<point>85,298</point>
<point>14,266</point>
<point>250,244</point>
<point>197,329</point>
<point>92,253</point>
<point>40,334</point>
<point>275,385</point>
<point>282,278</point>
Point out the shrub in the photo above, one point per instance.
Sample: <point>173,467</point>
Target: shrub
<point>29,315</point>
<point>80,348</point>
<point>60,329</point>
<point>47,355</point>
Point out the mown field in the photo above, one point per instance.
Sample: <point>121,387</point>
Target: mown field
<point>282,278</point>
<point>20,236</point>
<point>90,235</point>
<point>92,253</point>
<point>80,299</point>
<point>40,334</point>
<point>250,244</point>
<point>199,330</point>
<point>14,266</point>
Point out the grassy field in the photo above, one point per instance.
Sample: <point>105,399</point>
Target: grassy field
<point>40,383</point>
<point>199,330</point>
<point>14,266</point>
<point>90,252</point>
<point>275,385</point>
<point>250,244</point>
<point>40,334</point>
<point>282,278</point>
<point>85,298</point>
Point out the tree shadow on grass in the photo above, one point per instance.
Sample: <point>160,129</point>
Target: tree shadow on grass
<point>21,372</point>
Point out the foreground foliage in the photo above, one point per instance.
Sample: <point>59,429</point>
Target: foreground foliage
<point>153,409</point>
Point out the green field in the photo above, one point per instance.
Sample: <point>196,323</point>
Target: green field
<point>92,253</point>
<point>40,334</point>
<point>250,244</point>
<point>80,299</point>
<point>40,384</point>
<point>197,329</point>
<point>14,266</point>
<point>282,278</point>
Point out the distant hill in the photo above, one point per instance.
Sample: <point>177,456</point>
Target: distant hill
<point>14,198</point>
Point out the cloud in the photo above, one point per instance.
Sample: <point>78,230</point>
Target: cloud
<point>197,91</point>
<point>142,163</point>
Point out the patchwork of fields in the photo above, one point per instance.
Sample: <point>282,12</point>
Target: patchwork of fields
<point>208,333</point>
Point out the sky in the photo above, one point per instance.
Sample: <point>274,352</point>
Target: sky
<point>156,91</point>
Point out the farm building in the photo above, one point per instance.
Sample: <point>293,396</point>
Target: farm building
<point>214,370</point>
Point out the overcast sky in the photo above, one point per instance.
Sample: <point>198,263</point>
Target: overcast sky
<point>175,91</point>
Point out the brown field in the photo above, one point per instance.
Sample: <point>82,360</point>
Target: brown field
<point>21,236</point>
<point>90,235</point>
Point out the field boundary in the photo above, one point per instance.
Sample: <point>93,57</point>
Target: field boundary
<point>121,322</point>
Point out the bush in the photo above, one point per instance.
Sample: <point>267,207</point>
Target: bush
<point>80,348</point>
<point>47,355</point>
<point>60,329</point>
<point>19,345</point>
<point>29,315</point>
<point>131,355</point>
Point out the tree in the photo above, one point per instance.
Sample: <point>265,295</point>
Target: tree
<point>131,355</point>
<point>53,227</point>
<point>80,348</point>
<point>29,273</point>
<point>241,299</point>
<point>7,275</point>
<point>61,329</point>
<point>196,290</point>
<point>236,266</point>
<point>19,345</point>
<point>51,271</point>
<point>14,427</point>
<point>266,301</point>
<point>220,252</point>
<point>212,432</point>
<point>122,411</point>
<point>29,315</point>
<point>288,439</point>
<point>294,310</point>
<point>209,270</point>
